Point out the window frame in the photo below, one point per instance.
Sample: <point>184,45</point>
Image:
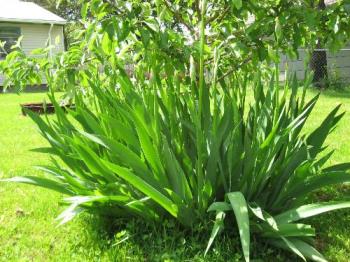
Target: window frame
<point>11,32</point>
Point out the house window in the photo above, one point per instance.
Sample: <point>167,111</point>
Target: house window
<point>8,35</point>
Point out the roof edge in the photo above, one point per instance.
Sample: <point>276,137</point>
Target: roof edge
<point>33,21</point>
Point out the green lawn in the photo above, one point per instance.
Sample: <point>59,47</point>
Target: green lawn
<point>28,231</point>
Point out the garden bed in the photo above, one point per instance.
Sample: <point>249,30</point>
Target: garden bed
<point>43,108</point>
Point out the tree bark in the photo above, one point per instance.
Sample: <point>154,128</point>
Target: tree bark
<point>318,63</point>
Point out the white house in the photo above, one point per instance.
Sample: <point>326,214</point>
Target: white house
<point>35,24</point>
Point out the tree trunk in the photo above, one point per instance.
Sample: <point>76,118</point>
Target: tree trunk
<point>318,63</point>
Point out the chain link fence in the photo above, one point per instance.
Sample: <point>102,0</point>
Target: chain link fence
<point>329,69</point>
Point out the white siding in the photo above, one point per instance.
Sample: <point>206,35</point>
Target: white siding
<point>338,63</point>
<point>37,35</point>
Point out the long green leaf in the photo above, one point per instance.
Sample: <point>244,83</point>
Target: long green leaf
<point>126,156</point>
<point>317,137</point>
<point>309,211</point>
<point>144,187</point>
<point>299,247</point>
<point>94,162</point>
<point>219,206</point>
<point>293,248</point>
<point>149,149</point>
<point>42,182</point>
<point>308,251</point>
<point>339,167</point>
<point>217,228</point>
<point>176,175</point>
<point>311,184</point>
<point>240,209</point>
<point>290,230</point>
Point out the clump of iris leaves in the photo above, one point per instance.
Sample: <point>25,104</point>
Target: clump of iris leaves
<point>160,154</point>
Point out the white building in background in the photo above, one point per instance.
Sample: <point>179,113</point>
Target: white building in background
<point>338,64</point>
<point>35,24</point>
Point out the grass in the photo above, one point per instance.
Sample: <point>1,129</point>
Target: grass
<point>28,231</point>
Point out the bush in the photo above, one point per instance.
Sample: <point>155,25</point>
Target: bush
<point>155,153</point>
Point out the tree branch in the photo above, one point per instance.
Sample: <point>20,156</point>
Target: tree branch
<point>233,69</point>
<point>179,17</point>
<point>218,16</point>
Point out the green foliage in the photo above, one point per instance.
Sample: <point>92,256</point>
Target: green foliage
<point>85,239</point>
<point>130,151</point>
<point>250,34</point>
<point>180,136</point>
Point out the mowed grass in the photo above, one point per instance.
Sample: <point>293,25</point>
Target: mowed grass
<point>28,231</point>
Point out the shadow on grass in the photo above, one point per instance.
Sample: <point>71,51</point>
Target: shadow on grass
<point>333,240</point>
<point>331,228</point>
<point>138,240</point>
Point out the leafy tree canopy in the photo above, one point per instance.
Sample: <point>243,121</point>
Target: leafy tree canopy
<point>246,32</point>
